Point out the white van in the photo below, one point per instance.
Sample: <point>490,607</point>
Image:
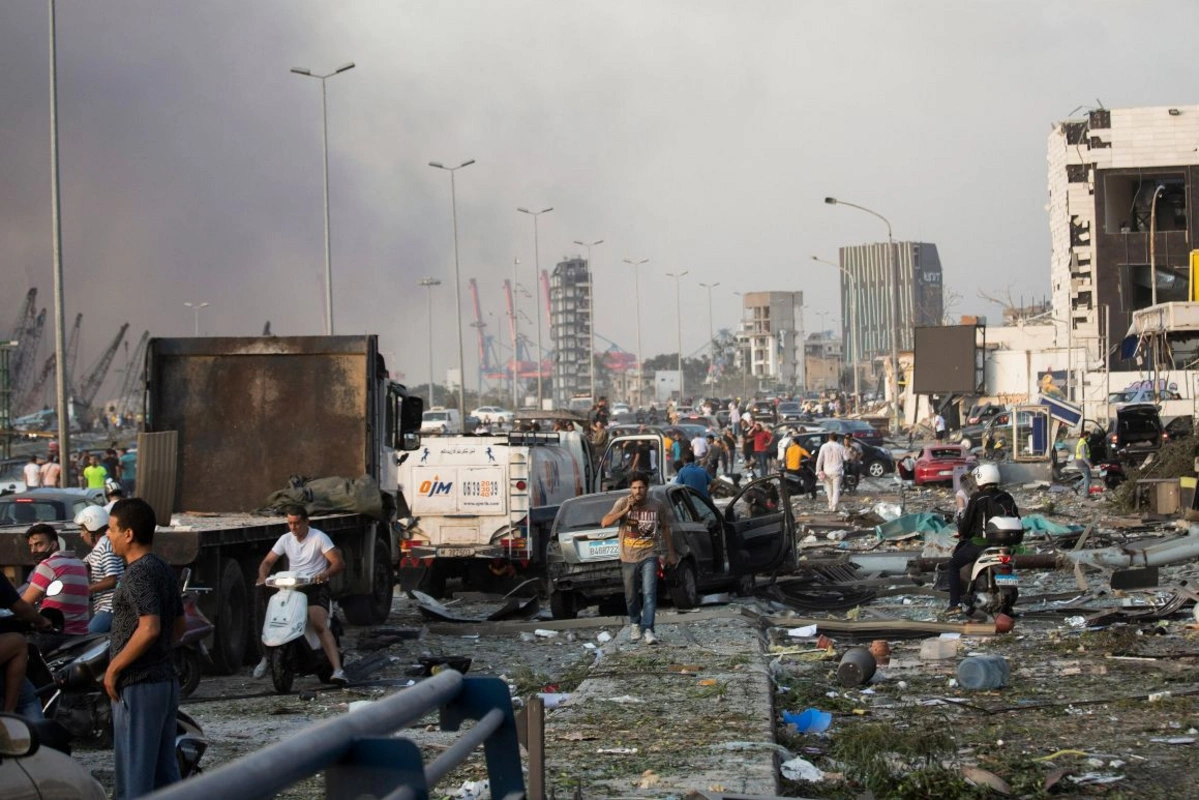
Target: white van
<point>441,421</point>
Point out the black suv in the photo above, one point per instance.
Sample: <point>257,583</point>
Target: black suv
<point>1136,433</point>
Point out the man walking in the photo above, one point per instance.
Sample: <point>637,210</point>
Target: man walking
<point>939,426</point>
<point>1082,460</point>
<point>147,620</point>
<point>830,468</point>
<point>644,527</point>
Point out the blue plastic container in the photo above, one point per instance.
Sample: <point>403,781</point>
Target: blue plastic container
<point>983,672</point>
<point>811,720</point>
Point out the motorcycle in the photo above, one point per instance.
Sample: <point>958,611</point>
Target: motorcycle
<point>991,584</point>
<point>292,646</point>
<point>191,654</point>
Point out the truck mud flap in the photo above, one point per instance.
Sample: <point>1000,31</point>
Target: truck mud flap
<point>410,576</point>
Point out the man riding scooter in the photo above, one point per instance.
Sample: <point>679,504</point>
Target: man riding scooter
<point>310,554</point>
<point>987,502</point>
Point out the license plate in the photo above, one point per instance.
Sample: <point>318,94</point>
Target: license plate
<point>1007,580</point>
<point>600,550</point>
<point>455,552</point>
<point>945,472</point>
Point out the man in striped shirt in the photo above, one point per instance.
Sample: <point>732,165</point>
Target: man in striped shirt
<point>57,565</point>
<point>104,567</point>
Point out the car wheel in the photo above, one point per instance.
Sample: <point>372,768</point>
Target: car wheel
<point>876,469</point>
<point>684,588</point>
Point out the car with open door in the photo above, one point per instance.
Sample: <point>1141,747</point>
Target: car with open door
<point>718,550</point>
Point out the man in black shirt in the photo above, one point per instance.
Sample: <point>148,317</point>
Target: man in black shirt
<point>147,619</point>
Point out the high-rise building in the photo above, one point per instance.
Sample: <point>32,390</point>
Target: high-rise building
<point>920,299</point>
<point>772,335</point>
<point>1114,175</point>
<point>570,329</point>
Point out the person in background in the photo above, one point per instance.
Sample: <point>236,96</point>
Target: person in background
<point>693,475</point>
<point>762,438</point>
<point>939,426</point>
<point>104,567</point>
<point>94,474</point>
<point>830,468</point>
<point>1082,460</point>
<point>111,463</point>
<point>33,472</point>
<point>128,464</point>
<point>51,472</point>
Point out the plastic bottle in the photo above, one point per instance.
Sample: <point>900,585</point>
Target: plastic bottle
<point>983,672</point>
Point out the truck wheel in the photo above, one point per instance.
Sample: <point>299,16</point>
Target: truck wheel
<point>684,589</point>
<point>564,604</point>
<point>373,608</point>
<point>232,619</point>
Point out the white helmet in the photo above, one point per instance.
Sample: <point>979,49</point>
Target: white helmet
<point>93,518</point>
<point>986,475</point>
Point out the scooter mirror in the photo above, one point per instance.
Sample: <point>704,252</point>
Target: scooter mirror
<point>54,589</point>
<point>185,578</point>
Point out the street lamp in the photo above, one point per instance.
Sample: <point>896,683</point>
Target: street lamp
<point>591,305</point>
<point>894,279</point>
<point>637,314</point>
<point>515,338</point>
<point>537,291</point>
<point>429,283</point>
<point>61,403</point>
<point>307,73</point>
<point>195,307</point>
<point>678,320</point>
<point>711,332</point>
<point>853,326</point>
<point>457,287</point>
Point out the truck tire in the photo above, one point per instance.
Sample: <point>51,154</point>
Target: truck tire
<point>232,619</point>
<point>373,608</point>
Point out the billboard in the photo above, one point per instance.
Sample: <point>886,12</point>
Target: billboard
<point>948,359</point>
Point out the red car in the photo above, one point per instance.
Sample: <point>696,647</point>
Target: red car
<point>936,462</point>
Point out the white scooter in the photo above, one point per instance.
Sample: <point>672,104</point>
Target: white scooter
<point>993,586</point>
<point>292,646</point>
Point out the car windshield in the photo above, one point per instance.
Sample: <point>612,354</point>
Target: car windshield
<point>585,512</point>
<point>434,416</point>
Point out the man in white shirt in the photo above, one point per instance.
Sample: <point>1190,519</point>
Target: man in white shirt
<point>33,473</point>
<point>830,468</point>
<point>310,554</point>
<point>699,446</point>
<point>939,426</point>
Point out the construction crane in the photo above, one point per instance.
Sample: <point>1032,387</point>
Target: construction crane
<point>22,371</point>
<point>34,397</point>
<point>73,351</point>
<point>489,366</point>
<point>90,385</point>
<point>129,399</point>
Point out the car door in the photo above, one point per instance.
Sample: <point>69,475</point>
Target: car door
<point>715,539</point>
<point>690,530</point>
<point>760,527</point>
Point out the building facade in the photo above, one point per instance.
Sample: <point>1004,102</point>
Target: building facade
<point>822,361</point>
<point>570,329</point>
<point>920,296</point>
<point>1113,176</point>
<point>772,337</point>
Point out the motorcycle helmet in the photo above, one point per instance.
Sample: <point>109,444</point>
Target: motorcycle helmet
<point>94,518</point>
<point>986,475</point>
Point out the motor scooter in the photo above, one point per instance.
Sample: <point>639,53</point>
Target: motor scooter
<point>191,654</point>
<point>292,646</point>
<point>991,584</point>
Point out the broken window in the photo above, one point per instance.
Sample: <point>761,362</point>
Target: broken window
<point>1075,132</point>
<point>1076,173</point>
<point>1129,201</point>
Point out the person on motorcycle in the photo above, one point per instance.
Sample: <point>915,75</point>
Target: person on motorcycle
<point>104,568</point>
<point>310,554</point>
<point>56,563</point>
<point>988,501</point>
<point>14,650</point>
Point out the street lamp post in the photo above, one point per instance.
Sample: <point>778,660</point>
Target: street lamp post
<point>307,73</point>
<point>637,314</point>
<point>853,327</point>
<point>678,319</point>
<point>515,338</point>
<point>195,307</point>
<point>62,402</point>
<point>591,308</point>
<point>894,280</point>
<point>711,330</point>
<point>536,292</point>
<point>429,283</point>
<point>457,286</point>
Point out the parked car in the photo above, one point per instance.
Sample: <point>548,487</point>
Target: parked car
<point>936,463</point>
<point>717,551</point>
<point>493,415</point>
<point>1136,432</point>
<point>441,421</point>
<point>791,411</point>
<point>858,429</point>
<point>980,413</point>
<point>763,411</point>
<point>31,771</point>
<point>47,505</point>
<point>876,461</point>
<point>620,408</point>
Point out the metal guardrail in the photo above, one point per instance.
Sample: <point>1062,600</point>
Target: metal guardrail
<point>361,759</point>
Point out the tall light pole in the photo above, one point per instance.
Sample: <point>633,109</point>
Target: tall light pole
<point>591,308</point>
<point>515,338</point>
<point>60,321</point>
<point>537,292</point>
<point>637,314</point>
<point>711,330</point>
<point>894,279</point>
<point>457,287</point>
<point>678,320</point>
<point>1152,248</point>
<point>195,307</point>
<point>429,283</point>
<point>853,325</point>
<point>307,73</point>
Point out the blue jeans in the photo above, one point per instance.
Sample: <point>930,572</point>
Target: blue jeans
<point>642,604</point>
<point>143,723</point>
<point>1084,467</point>
<point>28,706</point>
<point>101,622</point>
<point>763,464</point>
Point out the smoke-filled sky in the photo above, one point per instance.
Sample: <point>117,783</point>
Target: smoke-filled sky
<point>700,135</point>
